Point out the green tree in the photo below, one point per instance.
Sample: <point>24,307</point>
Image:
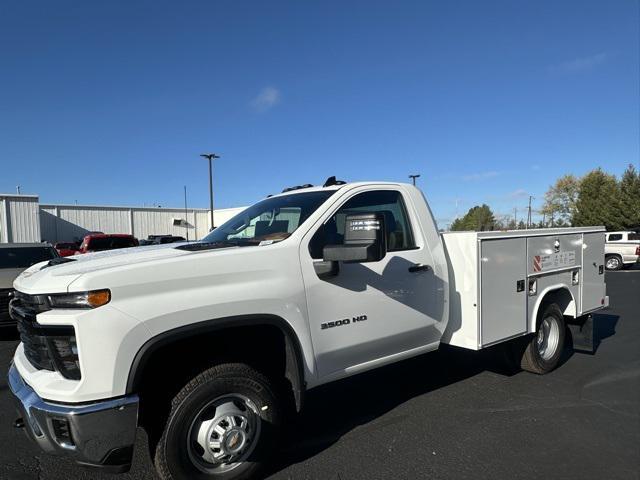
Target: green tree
<point>630,197</point>
<point>599,201</point>
<point>560,201</point>
<point>478,218</point>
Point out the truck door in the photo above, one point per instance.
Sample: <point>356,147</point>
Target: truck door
<point>371,310</point>
<point>593,286</point>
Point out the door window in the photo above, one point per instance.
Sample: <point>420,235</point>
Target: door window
<point>387,202</point>
<point>615,237</point>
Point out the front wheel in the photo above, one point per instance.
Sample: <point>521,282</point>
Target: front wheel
<point>545,347</point>
<point>223,425</point>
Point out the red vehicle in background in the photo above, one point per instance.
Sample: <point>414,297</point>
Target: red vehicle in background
<point>66,249</point>
<point>99,242</point>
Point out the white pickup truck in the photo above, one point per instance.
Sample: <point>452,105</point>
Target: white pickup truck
<point>621,249</point>
<point>209,345</point>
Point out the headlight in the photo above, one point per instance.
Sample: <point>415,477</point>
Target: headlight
<point>92,299</point>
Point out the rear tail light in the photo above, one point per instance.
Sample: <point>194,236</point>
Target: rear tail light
<point>638,251</point>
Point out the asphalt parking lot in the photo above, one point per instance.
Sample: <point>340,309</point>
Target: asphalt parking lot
<point>450,414</point>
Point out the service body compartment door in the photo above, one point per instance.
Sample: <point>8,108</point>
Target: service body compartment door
<point>503,304</point>
<point>593,286</point>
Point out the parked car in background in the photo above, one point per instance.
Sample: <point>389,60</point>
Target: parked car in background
<point>622,249</point>
<point>161,239</point>
<point>66,249</point>
<point>103,241</point>
<point>14,258</point>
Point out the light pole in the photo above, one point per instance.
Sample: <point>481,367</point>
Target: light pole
<point>210,157</point>
<point>413,178</point>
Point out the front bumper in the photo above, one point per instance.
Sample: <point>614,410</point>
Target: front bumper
<point>99,434</point>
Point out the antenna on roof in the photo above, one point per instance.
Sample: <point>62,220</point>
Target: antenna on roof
<point>333,181</point>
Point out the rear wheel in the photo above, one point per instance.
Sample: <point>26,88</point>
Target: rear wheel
<point>222,426</point>
<point>613,262</point>
<point>545,347</point>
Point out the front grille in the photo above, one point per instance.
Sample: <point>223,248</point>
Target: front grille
<point>47,347</point>
<point>35,345</point>
<point>4,304</point>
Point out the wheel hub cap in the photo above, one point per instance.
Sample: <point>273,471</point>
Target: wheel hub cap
<point>223,434</point>
<point>548,337</point>
<point>234,441</point>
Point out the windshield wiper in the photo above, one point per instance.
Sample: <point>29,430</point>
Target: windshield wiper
<point>58,261</point>
<point>197,246</point>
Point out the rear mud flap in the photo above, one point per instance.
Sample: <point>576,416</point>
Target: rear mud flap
<point>582,333</point>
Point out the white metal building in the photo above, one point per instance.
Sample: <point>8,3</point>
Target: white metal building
<point>19,218</point>
<point>23,219</point>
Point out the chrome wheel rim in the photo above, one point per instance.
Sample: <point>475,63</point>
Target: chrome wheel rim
<point>548,338</point>
<point>223,434</point>
<point>612,263</point>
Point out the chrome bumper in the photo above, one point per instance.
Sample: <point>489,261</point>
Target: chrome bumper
<point>100,434</point>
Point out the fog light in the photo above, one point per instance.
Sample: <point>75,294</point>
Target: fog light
<point>65,353</point>
<point>62,432</point>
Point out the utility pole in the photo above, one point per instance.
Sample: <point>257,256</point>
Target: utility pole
<point>413,178</point>
<point>515,217</point>
<point>529,215</point>
<point>18,189</point>
<point>186,223</point>
<point>210,157</point>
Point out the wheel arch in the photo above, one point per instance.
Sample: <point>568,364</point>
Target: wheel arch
<point>294,363</point>
<point>559,294</point>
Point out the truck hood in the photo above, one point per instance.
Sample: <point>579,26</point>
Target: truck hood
<point>42,278</point>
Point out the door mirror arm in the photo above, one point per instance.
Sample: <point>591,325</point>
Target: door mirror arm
<point>326,268</point>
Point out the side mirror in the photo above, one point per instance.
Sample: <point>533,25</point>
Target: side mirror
<point>365,240</point>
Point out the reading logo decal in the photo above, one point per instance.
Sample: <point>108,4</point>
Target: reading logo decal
<point>554,261</point>
<point>343,322</point>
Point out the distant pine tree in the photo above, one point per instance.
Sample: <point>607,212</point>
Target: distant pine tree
<point>630,198</point>
<point>599,202</point>
<point>478,218</point>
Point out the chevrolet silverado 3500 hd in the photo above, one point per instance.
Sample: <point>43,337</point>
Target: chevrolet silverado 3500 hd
<point>208,344</point>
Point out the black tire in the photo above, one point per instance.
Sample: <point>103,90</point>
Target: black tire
<point>173,456</point>
<point>613,262</point>
<point>539,357</point>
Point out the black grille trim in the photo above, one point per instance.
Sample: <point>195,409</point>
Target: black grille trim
<point>4,305</point>
<point>38,340</point>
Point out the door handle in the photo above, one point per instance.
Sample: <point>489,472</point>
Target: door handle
<point>419,267</point>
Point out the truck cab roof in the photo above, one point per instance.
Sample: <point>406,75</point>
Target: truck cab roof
<point>319,188</point>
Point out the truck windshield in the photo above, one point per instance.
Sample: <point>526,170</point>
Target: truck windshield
<point>268,221</point>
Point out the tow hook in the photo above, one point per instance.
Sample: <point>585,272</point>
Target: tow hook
<point>19,423</point>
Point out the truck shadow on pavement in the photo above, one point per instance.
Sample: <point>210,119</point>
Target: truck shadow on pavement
<point>335,409</point>
<point>604,326</point>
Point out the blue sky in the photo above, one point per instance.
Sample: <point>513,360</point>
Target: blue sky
<point>111,102</point>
